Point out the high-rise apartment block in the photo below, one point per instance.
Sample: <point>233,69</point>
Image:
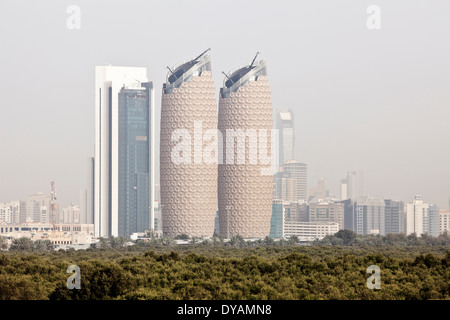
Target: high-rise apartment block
<point>10,212</point>
<point>394,216</point>
<point>417,216</point>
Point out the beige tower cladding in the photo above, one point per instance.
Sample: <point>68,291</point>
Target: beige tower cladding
<point>188,182</point>
<point>245,179</point>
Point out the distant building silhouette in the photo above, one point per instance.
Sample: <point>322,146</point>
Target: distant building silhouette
<point>291,182</point>
<point>285,126</point>
<point>352,187</point>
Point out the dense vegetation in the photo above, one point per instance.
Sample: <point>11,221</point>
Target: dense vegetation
<point>411,268</point>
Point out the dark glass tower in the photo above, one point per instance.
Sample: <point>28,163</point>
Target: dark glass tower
<point>134,198</point>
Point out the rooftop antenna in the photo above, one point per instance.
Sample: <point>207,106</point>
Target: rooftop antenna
<point>202,54</point>
<point>251,65</point>
<point>170,69</point>
<point>227,76</point>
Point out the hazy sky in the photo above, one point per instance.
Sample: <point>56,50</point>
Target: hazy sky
<point>374,99</point>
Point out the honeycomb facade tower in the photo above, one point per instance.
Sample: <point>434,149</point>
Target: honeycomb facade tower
<point>188,183</point>
<point>245,183</point>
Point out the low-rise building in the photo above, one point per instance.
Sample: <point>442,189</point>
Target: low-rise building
<point>309,231</point>
<point>296,211</point>
<point>59,234</point>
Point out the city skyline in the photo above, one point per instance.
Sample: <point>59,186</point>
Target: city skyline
<point>371,108</point>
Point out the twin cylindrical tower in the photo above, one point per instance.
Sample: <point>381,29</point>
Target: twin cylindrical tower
<point>213,160</point>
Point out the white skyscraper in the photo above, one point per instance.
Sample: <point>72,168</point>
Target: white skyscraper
<point>417,217</point>
<point>285,125</point>
<point>353,186</point>
<point>109,81</point>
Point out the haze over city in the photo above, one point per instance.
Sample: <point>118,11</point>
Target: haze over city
<point>372,99</point>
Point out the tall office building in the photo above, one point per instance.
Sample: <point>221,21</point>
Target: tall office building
<point>285,126</point>
<point>7,211</point>
<point>188,157</point>
<point>136,191</point>
<point>124,151</point>
<point>291,182</point>
<point>433,220</point>
<point>245,187</point>
<point>349,214</point>
<point>417,217</point>
<point>352,187</point>
<point>394,216</point>
<point>369,215</point>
